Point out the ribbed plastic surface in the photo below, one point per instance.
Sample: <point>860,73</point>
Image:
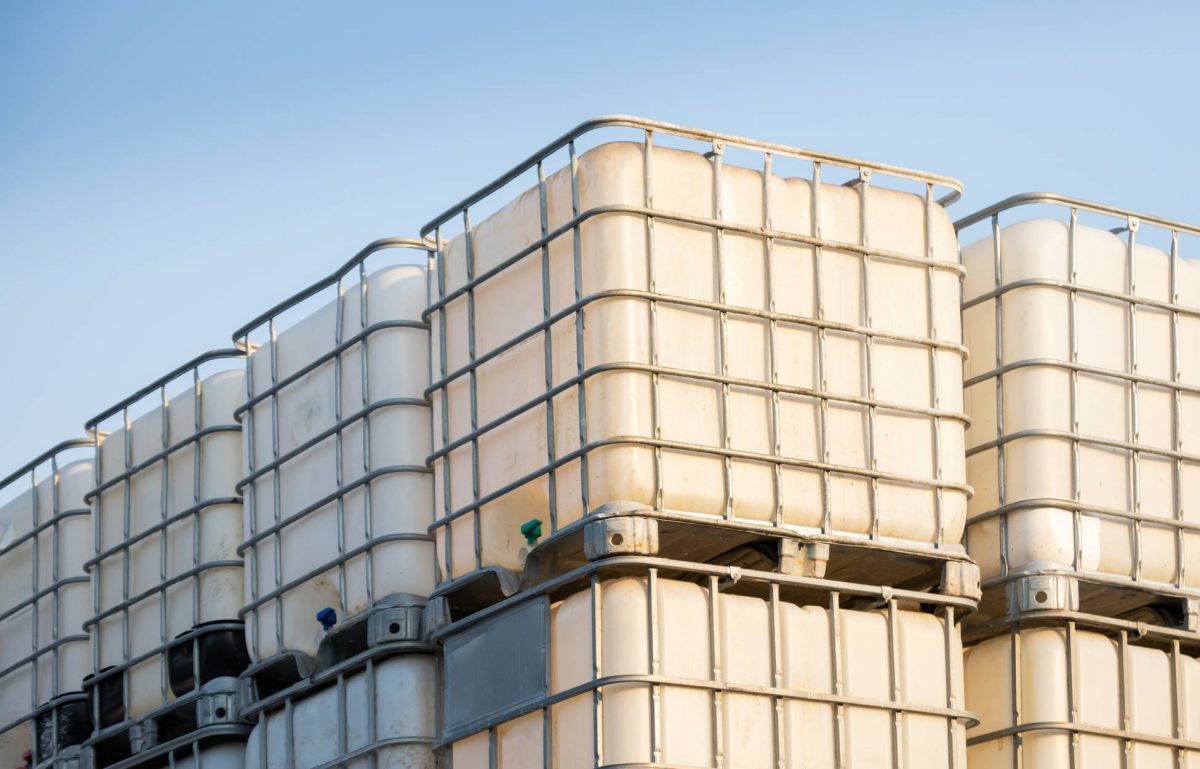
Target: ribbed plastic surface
<point>693,364</point>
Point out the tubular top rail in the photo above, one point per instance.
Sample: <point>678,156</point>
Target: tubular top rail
<point>163,380</point>
<point>47,454</point>
<point>1038,198</point>
<point>329,280</point>
<point>630,121</point>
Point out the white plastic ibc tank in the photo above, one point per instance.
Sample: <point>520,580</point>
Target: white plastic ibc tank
<point>1085,399</point>
<point>168,521</point>
<point>1060,697</point>
<point>383,716</point>
<point>45,538</point>
<point>662,328</point>
<point>225,755</point>
<point>338,497</point>
<point>649,671</point>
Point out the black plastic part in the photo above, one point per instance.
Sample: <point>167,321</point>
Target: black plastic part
<point>111,698</point>
<point>221,651</point>
<point>61,727</point>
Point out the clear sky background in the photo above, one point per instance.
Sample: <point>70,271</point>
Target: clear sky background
<point>170,169</point>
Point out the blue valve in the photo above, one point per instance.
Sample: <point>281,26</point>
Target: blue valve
<point>327,617</point>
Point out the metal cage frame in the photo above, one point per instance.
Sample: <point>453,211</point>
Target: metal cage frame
<point>774,588</point>
<point>1127,222</point>
<point>168,703</point>
<point>39,703</point>
<point>718,144</point>
<point>355,266</point>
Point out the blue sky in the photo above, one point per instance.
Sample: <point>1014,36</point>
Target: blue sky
<point>169,169</point>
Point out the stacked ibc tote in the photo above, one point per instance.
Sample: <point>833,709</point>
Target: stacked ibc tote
<point>1083,390</point>
<point>698,459</point>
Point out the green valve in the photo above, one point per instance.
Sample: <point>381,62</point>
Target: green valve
<point>531,530</point>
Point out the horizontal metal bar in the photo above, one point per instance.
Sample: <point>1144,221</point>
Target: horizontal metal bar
<point>1092,440</point>
<point>331,279</point>
<point>715,451</point>
<point>47,454</point>
<point>1156,589</point>
<point>968,718</point>
<point>159,456</point>
<point>372,749</point>
<point>1079,288</point>
<point>180,640</point>
<point>328,566</point>
<point>162,588</point>
<point>729,309</point>
<point>1165,384</point>
<point>204,733</point>
<point>50,523</point>
<point>92,423</point>
<point>59,585</point>
<point>615,564</point>
<point>778,236</point>
<point>324,358</point>
<point>328,433</point>
<point>125,544</point>
<point>629,121</point>
<point>1130,736</point>
<point>329,498</point>
<point>1073,506</point>
<point>1038,198</point>
<point>1138,633</point>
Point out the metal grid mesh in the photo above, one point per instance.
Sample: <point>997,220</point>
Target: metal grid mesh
<point>1183,742</point>
<point>155,395</point>
<point>866,175</point>
<point>42,651</point>
<point>345,340</point>
<point>775,589</point>
<point>1128,225</point>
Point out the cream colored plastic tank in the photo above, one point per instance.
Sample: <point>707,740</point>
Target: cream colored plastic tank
<point>1066,696</point>
<point>388,717</point>
<point>43,649</point>
<point>678,396</point>
<point>194,556</point>
<point>371,513</point>
<point>681,677</point>
<point>1129,448</point>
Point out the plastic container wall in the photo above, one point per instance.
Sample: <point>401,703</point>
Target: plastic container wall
<point>1083,389</point>
<point>45,537</point>
<point>1051,697</point>
<point>644,671</point>
<point>166,574</point>
<point>382,716</point>
<point>338,497</point>
<point>660,327</point>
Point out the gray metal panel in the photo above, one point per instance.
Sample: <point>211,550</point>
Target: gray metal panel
<point>496,665</point>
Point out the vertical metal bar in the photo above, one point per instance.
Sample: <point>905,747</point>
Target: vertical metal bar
<point>1125,703</point>
<point>343,738</point>
<point>656,750</point>
<point>997,267</point>
<point>772,359</point>
<point>1178,704</point>
<point>473,380</point>
<point>1015,663</point>
<point>164,491</point>
<point>197,491</point>
<point>597,672</point>
<point>1176,416</point>
<point>35,558</point>
<point>56,599</point>
<point>718,153</point>
<point>934,391</point>
<point>339,505</point>
<point>581,388</point>
<point>444,393</point>
<point>955,730</point>
<point>718,675</point>
<point>822,371</point>
<point>1134,395</point>
<point>869,343</point>
<point>652,287</point>
<point>840,752</point>
<point>97,575</point>
<point>127,486</point>
<point>894,683</point>
<point>547,349</point>
<point>276,484</point>
<point>250,500</point>
<point>1074,748</point>
<point>1073,333</point>
<point>289,719</point>
<point>778,717</point>
<point>364,360</point>
<point>548,654</point>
